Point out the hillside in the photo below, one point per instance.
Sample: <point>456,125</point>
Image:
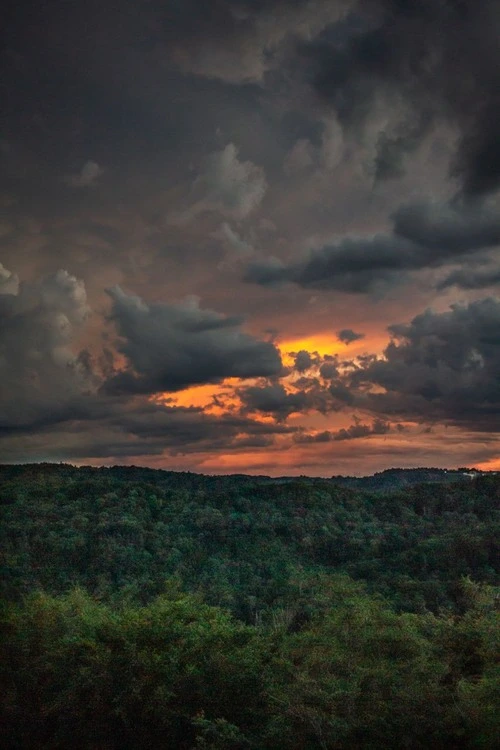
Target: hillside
<point>240,540</point>
<point>325,615</point>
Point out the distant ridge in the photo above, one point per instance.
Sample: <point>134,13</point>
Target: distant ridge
<point>383,481</point>
<point>398,478</point>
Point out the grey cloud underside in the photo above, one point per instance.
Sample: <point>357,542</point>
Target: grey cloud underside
<point>471,279</point>
<point>143,140</point>
<point>273,399</point>
<point>432,61</point>
<point>425,235</point>
<point>353,432</point>
<point>237,41</point>
<point>442,366</point>
<point>121,429</point>
<point>459,227</point>
<point>304,361</point>
<point>354,265</point>
<point>226,184</point>
<point>56,402</point>
<point>348,336</point>
<point>426,61</point>
<point>42,378</point>
<point>170,347</point>
<point>440,58</point>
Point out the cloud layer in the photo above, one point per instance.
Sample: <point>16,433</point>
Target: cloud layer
<point>294,207</point>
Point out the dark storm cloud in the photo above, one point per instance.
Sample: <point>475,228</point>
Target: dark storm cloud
<point>355,265</point>
<point>343,395</point>
<point>226,184</point>
<point>459,227</point>
<point>52,400</point>
<point>358,429</point>
<point>179,430</point>
<point>440,58</point>
<point>273,399</point>
<point>324,436</point>
<point>170,347</point>
<point>441,366</point>
<point>237,41</point>
<point>142,140</point>
<point>43,377</point>
<point>426,235</point>
<point>348,336</point>
<point>466,278</point>
<point>140,429</point>
<point>353,432</point>
<point>392,148</point>
<point>51,403</point>
<point>304,361</point>
<point>183,426</point>
<point>329,369</point>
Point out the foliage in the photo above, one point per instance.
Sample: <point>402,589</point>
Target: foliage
<point>240,541</point>
<point>154,610</point>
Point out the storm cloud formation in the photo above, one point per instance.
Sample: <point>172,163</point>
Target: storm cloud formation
<point>170,347</point>
<point>457,228</point>
<point>348,336</point>
<point>54,391</point>
<point>226,184</point>
<point>270,215</point>
<point>439,59</point>
<point>41,373</point>
<point>353,432</point>
<point>441,366</point>
<point>273,399</point>
<point>425,236</point>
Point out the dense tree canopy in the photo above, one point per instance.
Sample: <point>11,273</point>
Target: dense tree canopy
<point>150,609</point>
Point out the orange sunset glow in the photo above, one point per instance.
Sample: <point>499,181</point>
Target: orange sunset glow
<point>321,343</point>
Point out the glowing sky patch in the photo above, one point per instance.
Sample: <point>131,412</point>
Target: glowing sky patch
<point>320,343</point>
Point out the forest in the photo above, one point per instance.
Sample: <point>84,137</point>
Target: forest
<point>153,609</point>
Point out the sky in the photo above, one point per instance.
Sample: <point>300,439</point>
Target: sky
<point>250,236</point>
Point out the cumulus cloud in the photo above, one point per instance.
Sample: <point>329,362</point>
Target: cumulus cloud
<point>273,399</point>
<point>358,429</point>
<point>467,278</point>
<point>426,235</point>
<point>353,432</point>
<point>453,77</point>
<point>233,241</point>
<point>329,368</point>
<point>9,282</point>
<point>355,265</point>
<point>326,155</point>
<point>455,228</point>
<point>348,336</point>
<point>304,361</point>
<point>87,177</point>
<point>232,187</point>
<point>140,429</point>
<point>171,346</point>
<point>441,366</point>
<point>238,41</point>
<point>301,156</point>
<point>53,402</point>
<point>42,372</point>
<point>185,426</point>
